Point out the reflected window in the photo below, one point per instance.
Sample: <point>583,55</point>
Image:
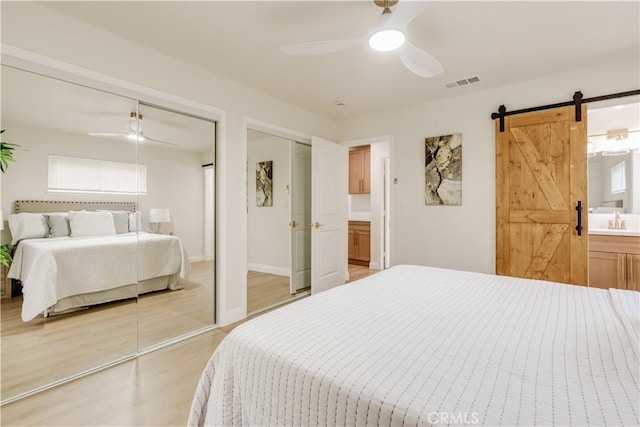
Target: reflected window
<point>77,175</point>
<point>618,181</point>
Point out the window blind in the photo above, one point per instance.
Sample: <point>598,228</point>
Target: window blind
<point>73,174</point>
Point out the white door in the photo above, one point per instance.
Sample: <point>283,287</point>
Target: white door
<point>300,216</point>
<point>329,165</point>
<point>386,220</point>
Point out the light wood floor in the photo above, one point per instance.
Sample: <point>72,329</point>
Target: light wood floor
<point>264,290</point>
<point>154,390</point>
<point>45,350</point>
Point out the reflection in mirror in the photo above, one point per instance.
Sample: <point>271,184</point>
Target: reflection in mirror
<point>176,235</point>
<point>65,261</point>
<point>614,156</point>
<point>278,220</point>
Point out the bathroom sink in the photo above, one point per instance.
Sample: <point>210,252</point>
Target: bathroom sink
<point>614,232</point>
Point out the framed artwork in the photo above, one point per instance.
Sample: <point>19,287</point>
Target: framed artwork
<point>264,183</point>
<point>443,170</point>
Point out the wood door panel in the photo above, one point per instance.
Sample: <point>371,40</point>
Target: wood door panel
<point>537,188</point>
<point>366,170</point>
<point>633,272</point>
<point>606,270</point>
<point>539,169</point>
<point>542,117</point>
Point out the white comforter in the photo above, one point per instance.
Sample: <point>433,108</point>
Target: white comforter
<point>425,346</point>
<point>53,269</point>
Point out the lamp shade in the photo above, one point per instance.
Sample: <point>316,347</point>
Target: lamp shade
<point>159,215</point>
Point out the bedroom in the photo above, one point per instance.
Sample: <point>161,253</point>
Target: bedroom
<point>416,238</point>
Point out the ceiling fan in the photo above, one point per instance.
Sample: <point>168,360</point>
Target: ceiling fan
<point>134,132</point>
<point>387,35</point>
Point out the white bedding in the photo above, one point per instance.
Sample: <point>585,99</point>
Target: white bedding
<point>426,346</point>
<point>53,269</point>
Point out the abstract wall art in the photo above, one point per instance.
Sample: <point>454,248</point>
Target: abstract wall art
<point>443,170</point>
<point>264,183</point>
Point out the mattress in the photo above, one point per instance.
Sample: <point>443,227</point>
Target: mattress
<point>53,270</point>
<point>425,346</point>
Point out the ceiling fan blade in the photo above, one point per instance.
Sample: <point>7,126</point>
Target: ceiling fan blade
<point>419,61</point>
<point>320,47</point>
<point>146,138</point>
<point>405,11</point>
<point>106,135</point>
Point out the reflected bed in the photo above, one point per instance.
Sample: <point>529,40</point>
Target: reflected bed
<point>64,273</point>
<point>426,346</point>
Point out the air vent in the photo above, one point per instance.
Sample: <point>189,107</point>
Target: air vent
<point>462,82</point>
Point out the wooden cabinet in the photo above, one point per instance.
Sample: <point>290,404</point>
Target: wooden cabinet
<point>359,243</point>
<point>614,262</point>
<point>360,171</point>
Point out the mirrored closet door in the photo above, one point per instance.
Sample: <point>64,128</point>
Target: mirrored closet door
<point>278,220</point>
<point>108,213</point>
<point>57,170</point>
<point>176,151</point>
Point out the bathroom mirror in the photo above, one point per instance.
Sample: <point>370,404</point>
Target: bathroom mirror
<point>614,156</point>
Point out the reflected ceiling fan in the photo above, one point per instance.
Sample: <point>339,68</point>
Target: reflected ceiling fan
<point>387,35</point>
<point>133,133</point>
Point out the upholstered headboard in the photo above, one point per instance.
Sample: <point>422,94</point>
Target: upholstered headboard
<point>44,206</point>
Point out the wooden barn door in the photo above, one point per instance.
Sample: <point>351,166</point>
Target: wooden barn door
<point>541,175</point>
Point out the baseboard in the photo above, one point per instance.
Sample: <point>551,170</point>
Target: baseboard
<point>374,265</point>
<point>269,269</point>
<point>196,258</point>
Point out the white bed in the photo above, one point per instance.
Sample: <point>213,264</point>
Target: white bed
<point>425,346</point>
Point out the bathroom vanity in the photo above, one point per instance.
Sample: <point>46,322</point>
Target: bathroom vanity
<point>614,259</point>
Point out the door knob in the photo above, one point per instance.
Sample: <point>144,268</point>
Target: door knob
<point>316,225</point>
<point>293,224</point>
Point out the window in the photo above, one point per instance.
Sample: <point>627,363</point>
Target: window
<point>72,174</point>
<point>618,178</point>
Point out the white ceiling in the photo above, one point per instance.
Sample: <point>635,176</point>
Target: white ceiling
<point>500,42</point>
<point>33,100</point>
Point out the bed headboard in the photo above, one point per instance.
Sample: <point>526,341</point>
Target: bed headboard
<point>44,206</point>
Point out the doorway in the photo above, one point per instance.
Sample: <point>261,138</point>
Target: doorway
<point>613,150</point>
<point>278,220</point>
<point>369,207</point>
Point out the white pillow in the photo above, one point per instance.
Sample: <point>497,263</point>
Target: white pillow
<point>27,226</point>
<point>135,221</point>
<point>120,220</point>
<point>91,224</point>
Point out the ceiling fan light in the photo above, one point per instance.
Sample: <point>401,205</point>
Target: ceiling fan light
<point>387,40</point>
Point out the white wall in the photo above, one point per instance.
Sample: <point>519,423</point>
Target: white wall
<point>359,207</point>
<point>180,190</point>
<point>35,28</point>
<point>268,240</point>
<point>463,237</point>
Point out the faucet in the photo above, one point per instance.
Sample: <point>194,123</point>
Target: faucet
<point>617,224</point>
